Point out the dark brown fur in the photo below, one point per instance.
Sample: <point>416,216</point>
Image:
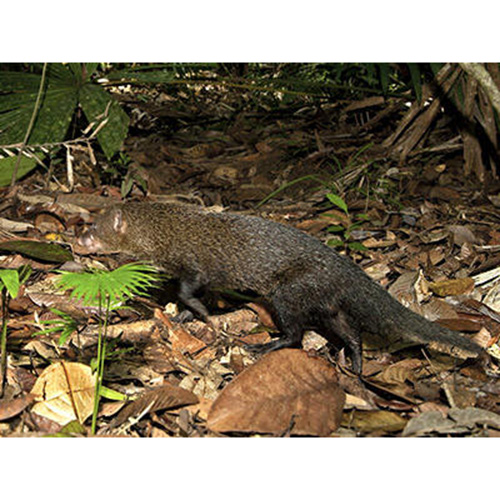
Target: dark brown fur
<point>307,284</point>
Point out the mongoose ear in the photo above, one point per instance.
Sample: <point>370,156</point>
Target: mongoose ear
<point>119,224</point>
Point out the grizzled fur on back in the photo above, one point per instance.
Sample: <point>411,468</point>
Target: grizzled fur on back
<point>227,250</point>
<point>308,284</point>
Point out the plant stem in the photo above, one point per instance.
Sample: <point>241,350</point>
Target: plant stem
<point>30,126</point>
<point>97,380</point>
<point>3,342</point>
<point>101,357</point>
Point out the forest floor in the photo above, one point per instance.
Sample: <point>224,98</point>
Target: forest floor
<point>421,229</point>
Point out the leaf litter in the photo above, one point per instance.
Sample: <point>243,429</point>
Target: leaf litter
<point>433,244</point>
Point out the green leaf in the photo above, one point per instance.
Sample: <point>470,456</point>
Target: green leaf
<point>47,252</point>
<point>363,217</point>
<point>98,105</point>
<point>71,429</point>
<point>370,70</point>
<point>435,67</point>
<point>56,109</point>
<point>10,279</point>
<point>107,393</point>
<point>357,247</point>
<point>335,243</point>
<point>384,76</point>
<point>416,79</point>
<point>126,186</point>
<point>360,151</point>
<point>335,229</point>
<point>337,201</point>
<point>83,71</point>
<point>24,272</point>
<point>126,281</point>
<point>65,325</point>
<point>311,177</point>
<point>141,76</point>
<point>7,165</point>
<point>355,225</point>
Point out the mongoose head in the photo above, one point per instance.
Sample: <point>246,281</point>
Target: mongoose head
<point>108,234</point>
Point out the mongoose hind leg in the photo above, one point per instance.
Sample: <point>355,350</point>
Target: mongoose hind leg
<point>291,332</point>
<point>337,324</point>
<point>286,341</point>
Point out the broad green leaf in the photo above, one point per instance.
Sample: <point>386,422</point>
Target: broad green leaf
<point>7,167</point>
<point>416,79</point>
<point>63,76</point>
<point>95,102</point>
<point>164,76</point>
<point>10,279</point>
<point>47,252</point>
<point>64,88</point>
<point>14,81</point>
<point>83,71</point>
<point>435,67</point>
<point>384,76</point>
<point>370,70</point>
<point>337,201</point>
<point>55,111</point>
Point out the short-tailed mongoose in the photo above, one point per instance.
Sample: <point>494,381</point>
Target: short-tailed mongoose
<point>307,284</point>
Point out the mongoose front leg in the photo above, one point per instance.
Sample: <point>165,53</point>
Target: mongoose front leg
<point>188,287</point>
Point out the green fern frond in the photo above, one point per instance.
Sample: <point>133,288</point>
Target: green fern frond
<point>64,325</point>
<point>124,282</point>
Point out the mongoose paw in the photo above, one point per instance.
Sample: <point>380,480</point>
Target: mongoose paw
<point>257,348</point>
<point>268,347</point>
<point>183,317</point>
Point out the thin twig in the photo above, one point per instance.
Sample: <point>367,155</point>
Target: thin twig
<point>46,145</point>
<point>30,126</point>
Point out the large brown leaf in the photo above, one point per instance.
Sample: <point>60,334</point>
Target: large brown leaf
<point>286,390</point>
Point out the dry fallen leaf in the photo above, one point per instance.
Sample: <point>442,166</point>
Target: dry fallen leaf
<point>462,234</point>
<point>461,286</point>
<point>374,421</point>
<point>65,392</point>
<point>286,390</point>
<point>461,324</point>
<point>13,407</point>
<point>398,373</point>
<point>432,422</point>
<point>162,398</point>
